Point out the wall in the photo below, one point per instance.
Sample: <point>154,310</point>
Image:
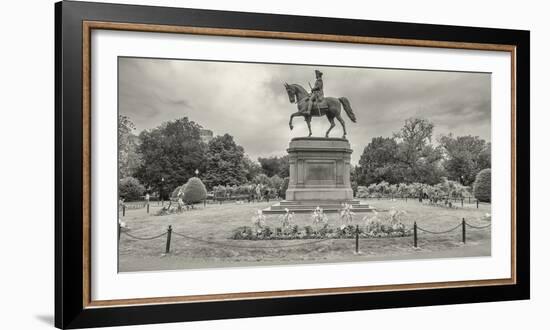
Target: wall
<point>26,135</point>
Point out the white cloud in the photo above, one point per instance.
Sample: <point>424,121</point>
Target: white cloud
<point>249,101</point>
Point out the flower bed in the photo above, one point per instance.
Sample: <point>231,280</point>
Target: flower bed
<point>324,232</point>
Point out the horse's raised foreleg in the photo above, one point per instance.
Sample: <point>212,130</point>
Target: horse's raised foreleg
<point>291,117</point>
<point>332,124</point>
<point>341,120</point>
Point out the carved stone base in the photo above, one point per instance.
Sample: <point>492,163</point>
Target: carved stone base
<point>319,170</point>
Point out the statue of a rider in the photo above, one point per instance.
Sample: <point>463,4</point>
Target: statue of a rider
<point>317,94</point>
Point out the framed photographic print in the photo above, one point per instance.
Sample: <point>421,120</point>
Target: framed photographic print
<point>313,164</point>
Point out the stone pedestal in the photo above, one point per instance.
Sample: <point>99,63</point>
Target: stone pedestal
<point>319,170</point>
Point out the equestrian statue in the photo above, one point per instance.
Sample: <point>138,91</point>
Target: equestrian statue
<point>315,104</point>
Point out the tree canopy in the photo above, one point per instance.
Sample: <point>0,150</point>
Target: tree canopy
<point>407,157</point>
<point>465,156</point>
<point>275,166</point>
<point>380,162</point>
<point>172,151</point>
<point>224,162</point>
<point>129,158</point>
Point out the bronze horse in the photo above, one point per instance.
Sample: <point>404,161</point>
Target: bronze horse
<point>297,94</point>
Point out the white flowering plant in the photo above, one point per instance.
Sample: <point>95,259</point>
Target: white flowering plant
<point>319,217</point>
<point>287,219</point>
<point>258,220</point>
<point>346,214</point>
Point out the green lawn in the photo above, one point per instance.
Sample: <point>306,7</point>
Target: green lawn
<point>217,222</point>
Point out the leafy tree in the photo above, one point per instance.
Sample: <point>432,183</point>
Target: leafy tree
<point>465,156</point>
<point>194,191</point>
<point>420,161</point>
<point>405,158</point>
<point>379,162</point>
<point>262,179</point>
<point>130,189</point>
<point>224,162</point>
<point>173,151</point>
<point>128,156</point>
<point>252,168</point>
<point>482,185</point>
<point>275,166</point>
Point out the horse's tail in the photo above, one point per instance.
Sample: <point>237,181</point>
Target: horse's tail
<point>347,108</point>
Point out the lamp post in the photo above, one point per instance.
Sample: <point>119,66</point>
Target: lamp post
<point>161,190</point>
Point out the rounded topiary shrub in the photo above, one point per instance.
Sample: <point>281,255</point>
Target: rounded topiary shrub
<point>130,189</point>
<point>194,191</point>
<point>482,185</point>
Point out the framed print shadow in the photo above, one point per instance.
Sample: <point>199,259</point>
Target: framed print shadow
<point>315,164</point>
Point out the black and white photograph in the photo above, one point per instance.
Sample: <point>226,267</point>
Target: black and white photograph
<point>275,164</point>
<point>240,164</point>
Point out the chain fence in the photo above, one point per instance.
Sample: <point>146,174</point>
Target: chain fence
<point>414,230</point>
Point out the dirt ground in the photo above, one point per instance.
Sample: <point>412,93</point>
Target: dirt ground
<point>211,227</point>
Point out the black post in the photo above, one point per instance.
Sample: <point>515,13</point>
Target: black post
<point>118,226</point>
<point>463,231</point>
<point>147,207</point>
<point>415,235</point>
<point>477,203</point>
<point>168,238</point>
<point>123,209</point>
<point>357,239</point>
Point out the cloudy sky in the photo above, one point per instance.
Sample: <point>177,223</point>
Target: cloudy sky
<point>249,101</point>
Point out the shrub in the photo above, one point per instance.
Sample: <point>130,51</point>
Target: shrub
<point>482,185</point>
<point>276,182</point>
<point>362,192</point>
<point>130,189</point>
<point>194,191</point>
<point>177,192</point>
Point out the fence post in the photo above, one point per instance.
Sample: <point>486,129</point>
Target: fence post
<point>477,203</point>
<point>147,207</point>
<point>123,209</point>
<point>168,238</point>
<point>415,235</point>
<point>357,239</point>
<point>463,231</point>
<point>118,232</point>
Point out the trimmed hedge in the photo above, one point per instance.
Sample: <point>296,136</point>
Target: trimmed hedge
<point>194,191</point>
<point>482,185</point>
<point>130,189</point>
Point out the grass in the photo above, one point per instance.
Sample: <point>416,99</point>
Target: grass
<point>217,222</point>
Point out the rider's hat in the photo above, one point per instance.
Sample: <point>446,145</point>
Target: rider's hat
<point>318,73</point>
